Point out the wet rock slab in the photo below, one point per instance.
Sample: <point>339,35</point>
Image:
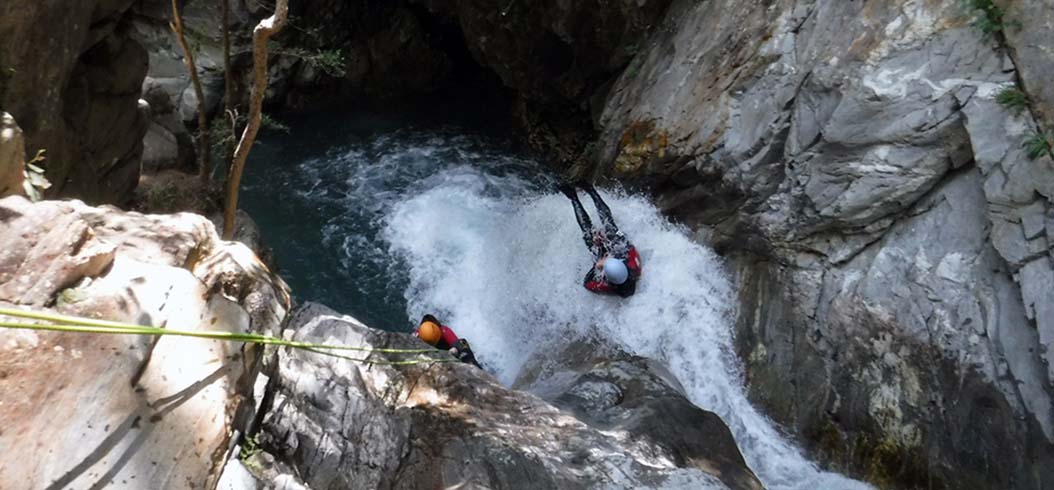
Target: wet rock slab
<point>339,424</point>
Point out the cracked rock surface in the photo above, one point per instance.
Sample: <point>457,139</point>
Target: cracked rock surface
<point>124,411</point>
<point>891,239</point>
<point>331,423</point>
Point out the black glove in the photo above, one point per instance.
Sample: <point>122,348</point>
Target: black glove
<point>460,348</point>
<point>463,352</point>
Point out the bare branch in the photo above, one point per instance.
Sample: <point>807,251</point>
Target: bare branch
<point>263,31</point>
<point>228,80</point>
<point>204,149</point>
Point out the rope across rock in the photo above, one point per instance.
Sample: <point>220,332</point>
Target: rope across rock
<point>65,323</point>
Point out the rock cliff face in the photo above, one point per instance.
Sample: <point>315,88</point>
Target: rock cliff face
<point>892,240</point>
<point>339,424</point>
<point>1029,22</point>
<point>891,237</point>
<point>121,411</point>
<point>558,57</point>
<point>70,75</point>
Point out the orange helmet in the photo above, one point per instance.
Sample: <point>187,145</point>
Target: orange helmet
<point>430,332</point>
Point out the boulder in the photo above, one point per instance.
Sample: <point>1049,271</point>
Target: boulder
<point>124,411</point>
<point>12,156</point>
<point>168,145</point>
<point>168,71</point>
<point>642,402</point>
<point>161,149</point>
<point>46,249</point>
<point>333,423</point>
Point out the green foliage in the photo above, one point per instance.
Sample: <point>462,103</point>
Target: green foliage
<point>311,48</point>
<point>35,183</point>
<point>70,296</point>
<point>1038,145</point>
<point>250,447</point>
<point>163,198</point>
<point>1013,99</point>
<point>222,135</point>
<point>329,61</point>
<point>988,17</point>
<point>273,124</point>
<point>634,67</point>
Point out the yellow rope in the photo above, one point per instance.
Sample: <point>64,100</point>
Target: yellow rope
<point>64,323</point>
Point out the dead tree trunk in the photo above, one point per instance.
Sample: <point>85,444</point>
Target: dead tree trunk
<point>204,152</point>
<point>228,81</point>
<point>228,88</point>
<point>263,31</point>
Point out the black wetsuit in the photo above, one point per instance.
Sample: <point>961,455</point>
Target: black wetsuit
<point>608,241</point>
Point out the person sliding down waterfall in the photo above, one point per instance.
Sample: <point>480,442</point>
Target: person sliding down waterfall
<point>617,264</point>
<point>442,337</point>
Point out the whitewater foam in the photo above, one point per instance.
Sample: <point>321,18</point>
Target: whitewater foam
<point>458,227</point>
<point>503,264</point>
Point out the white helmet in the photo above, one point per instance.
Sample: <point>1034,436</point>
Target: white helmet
<point>615,271</point>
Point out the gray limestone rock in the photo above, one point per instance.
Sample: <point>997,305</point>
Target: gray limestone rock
<point>167,144</point>
<point>890,236</point>
<point>1029,23</point>
<point>339,424</point>
<point>126,411</point>
<point>12,156</point>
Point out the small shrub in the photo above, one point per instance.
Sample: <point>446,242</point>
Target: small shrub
<point>34,182</point>
<point>988,17</point>
<point>329,61</point>
<point>250,447</point>
<point>247,455</point>
<point>71,296</point>
<point>163,198</point>
<point>273,124</point>
<point>1013,99</point>
<point>633,70</point>
<point>223,136</point>
<point>1038,145</point>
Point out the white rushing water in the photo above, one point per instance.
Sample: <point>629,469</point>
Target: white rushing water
<point>480,239</point>
<point>502,263</point>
